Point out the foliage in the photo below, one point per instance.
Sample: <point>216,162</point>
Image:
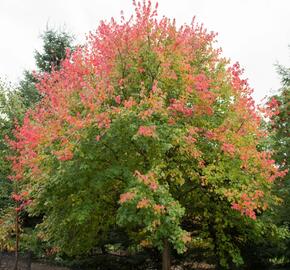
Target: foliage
<point>146,126</point>
<point>279,143</point>
<point>280,128</point>
<point>280,122</point>
<point>14,102</point>
<point>56,45</point>
<point>7,228</point>
<point>11,109</point>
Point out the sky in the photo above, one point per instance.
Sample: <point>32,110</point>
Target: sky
<point>256,33</point>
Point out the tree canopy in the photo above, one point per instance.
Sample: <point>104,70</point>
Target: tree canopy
<point>146,127</point>
<point>15,100</point>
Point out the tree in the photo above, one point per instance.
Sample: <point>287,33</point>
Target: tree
<point>11,109</point>
<point>280,122</point>
<point>148,127</point>
<point>56,45</point>
<point>14,102</point>
<point>280,145</point>
<point>279,129</point>
<point>273,247</point>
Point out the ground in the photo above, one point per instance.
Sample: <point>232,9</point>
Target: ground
<point>7,263</point>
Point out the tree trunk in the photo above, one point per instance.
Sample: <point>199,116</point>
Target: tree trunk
<point>17,241</point>
<point>213,233</point>
<point>166,264</point>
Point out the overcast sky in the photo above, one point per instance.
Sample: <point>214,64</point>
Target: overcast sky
<point>254,32</point>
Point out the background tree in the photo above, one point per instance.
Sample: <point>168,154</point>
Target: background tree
<point>280,144</point>
<point>281,121</point>
<point>273,247</point>
<point>56,45</point>
<point>11,110</point>
<point>14,102</point>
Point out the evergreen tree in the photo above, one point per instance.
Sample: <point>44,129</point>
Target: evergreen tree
<point>55,46</point>
<point>280,128</point>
